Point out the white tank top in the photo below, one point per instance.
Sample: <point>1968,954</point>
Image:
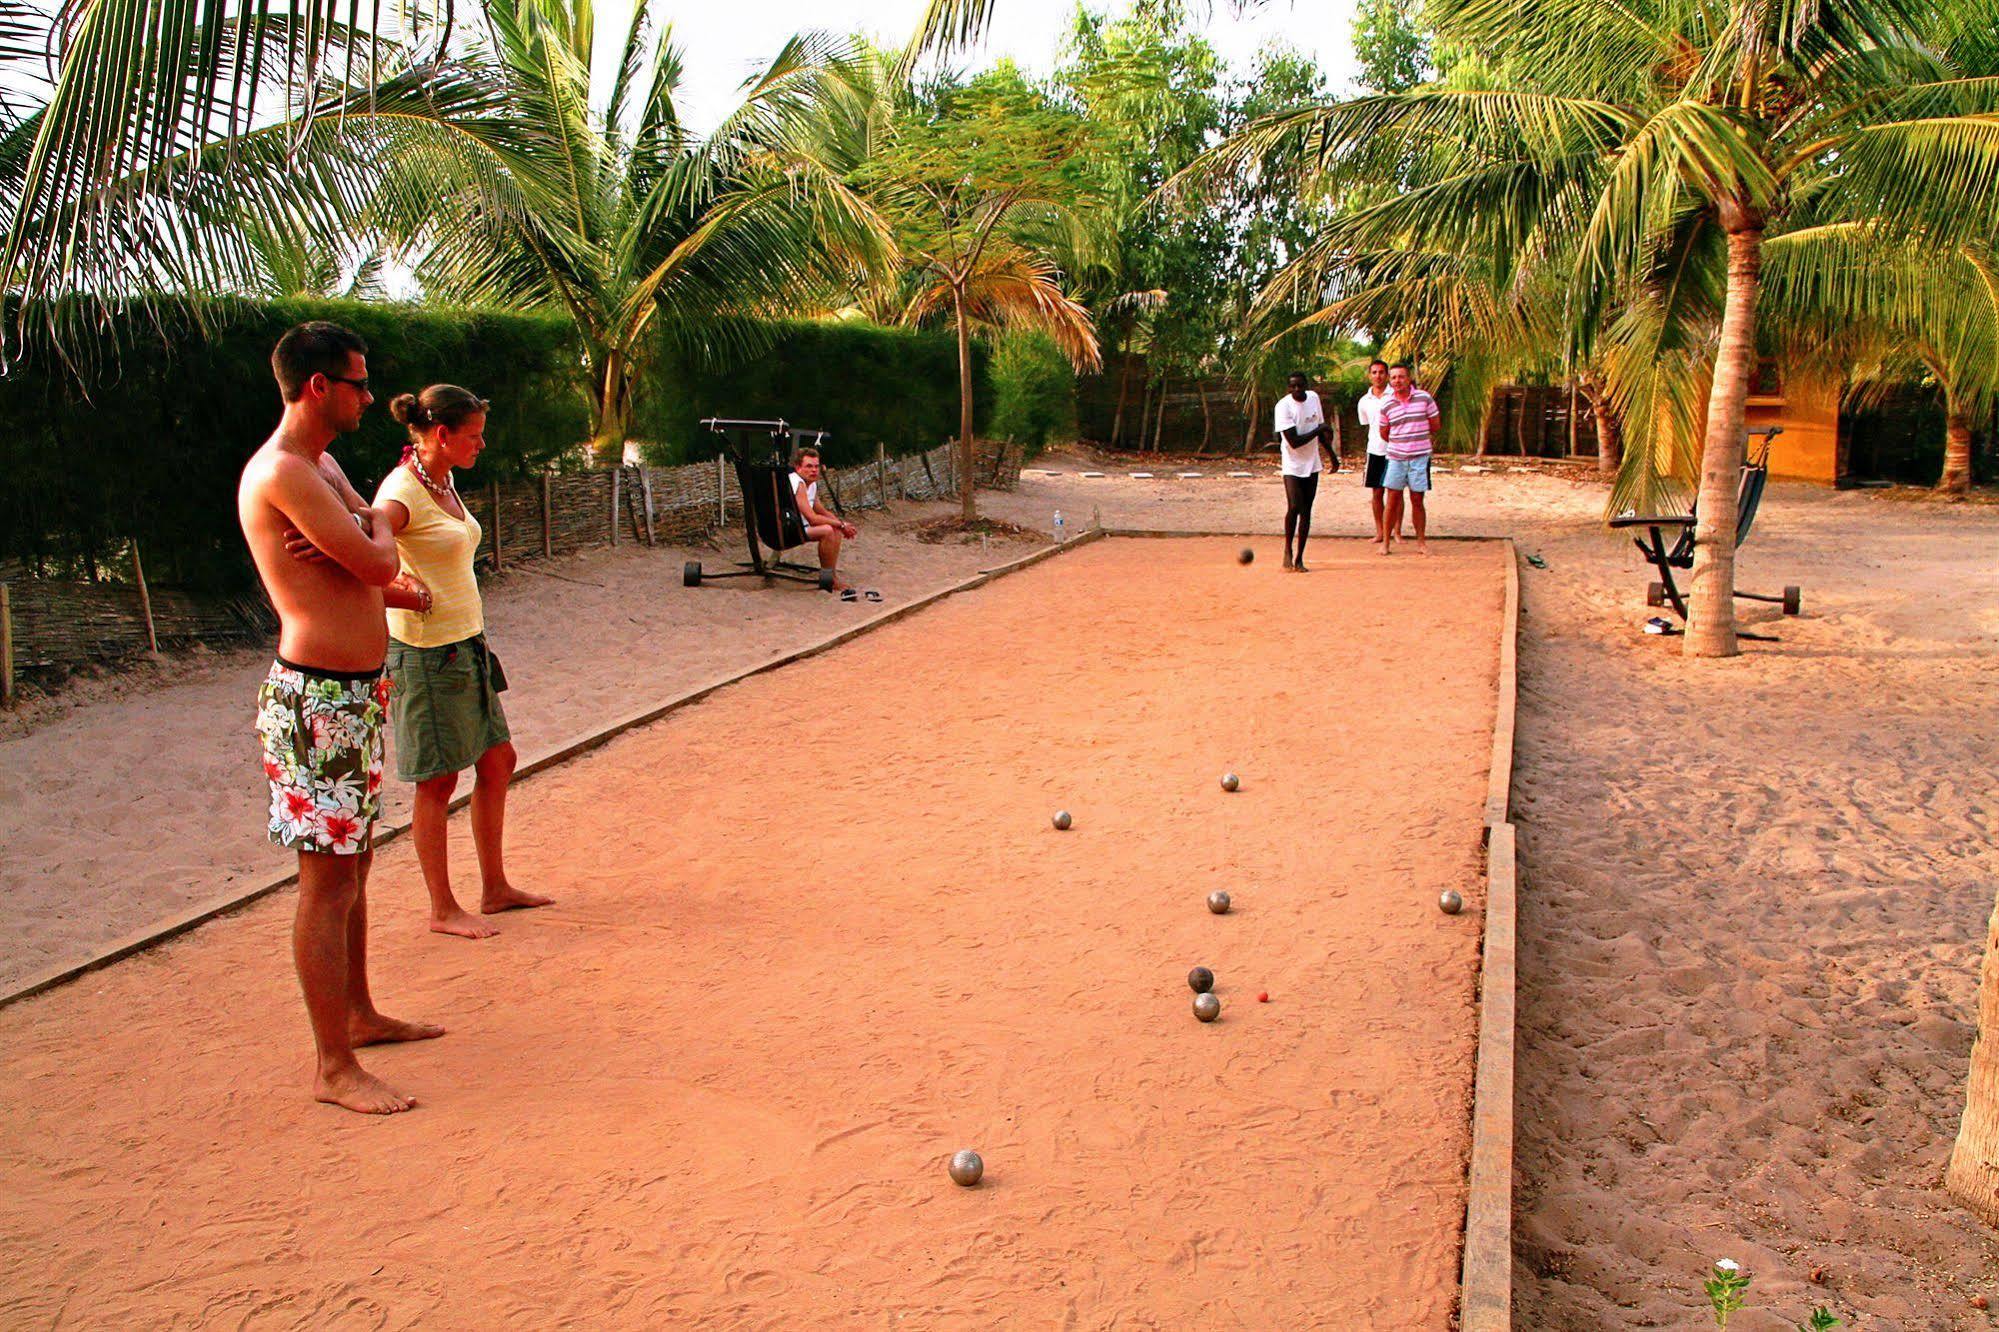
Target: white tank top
<point>811,497</point>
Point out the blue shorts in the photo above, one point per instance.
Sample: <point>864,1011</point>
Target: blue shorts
<point>1407,474</point>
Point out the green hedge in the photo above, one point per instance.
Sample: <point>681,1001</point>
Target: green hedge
<point>150,443</point>
<point>1034,392</point>
<point>862,382</point>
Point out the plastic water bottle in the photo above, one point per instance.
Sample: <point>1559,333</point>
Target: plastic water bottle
<point>1058,527</point>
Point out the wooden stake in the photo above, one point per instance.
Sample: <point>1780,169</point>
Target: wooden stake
<point>6,645</point>
<point>499,560</point>
<point>721,494</point>
<point>617,476</point>
<point>145,600</point>
<point>881,470</point>
<point>645,483</point>
<point>547,520</point>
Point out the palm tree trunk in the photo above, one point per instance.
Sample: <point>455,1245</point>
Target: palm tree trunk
<point>1711,606</point>
<point>1956,478</point>
<point>966,480</point>
<point>1973,1176</point>
<point>1249,429</point>
<point>1207,418</point>
<point>1609,432</point>
<point>1159,424</point>
<point>1123,388</point>
<point>614,410</point>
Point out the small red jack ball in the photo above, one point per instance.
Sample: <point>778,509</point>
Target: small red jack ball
<point>1264,997</point>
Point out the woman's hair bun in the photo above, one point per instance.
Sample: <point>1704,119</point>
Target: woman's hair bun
<point>408,411</point>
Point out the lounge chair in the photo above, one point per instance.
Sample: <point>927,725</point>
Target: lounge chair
<point>757,450</point>
<point>1664,591</point>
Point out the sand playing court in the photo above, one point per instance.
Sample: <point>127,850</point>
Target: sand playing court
<point>719,1081</point>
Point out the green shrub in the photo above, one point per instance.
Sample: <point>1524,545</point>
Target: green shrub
<point>862,382</point>
<point>148,443</point>
<point>1034,392</point>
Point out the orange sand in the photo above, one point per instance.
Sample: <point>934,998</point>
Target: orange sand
<point>719,1081</point>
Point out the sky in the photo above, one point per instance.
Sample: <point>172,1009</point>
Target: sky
<point>724,41</point>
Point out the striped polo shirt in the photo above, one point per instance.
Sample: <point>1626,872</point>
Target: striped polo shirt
<point>1405,423</point>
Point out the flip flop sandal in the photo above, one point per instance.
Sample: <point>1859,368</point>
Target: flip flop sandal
<point>848,594</point>
<point>1537,561</point>
<point>872,595</point>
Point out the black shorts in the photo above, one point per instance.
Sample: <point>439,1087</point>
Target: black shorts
<point>1377,469</point>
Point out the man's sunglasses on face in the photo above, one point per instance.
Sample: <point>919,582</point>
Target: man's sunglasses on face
<point>360,384</point>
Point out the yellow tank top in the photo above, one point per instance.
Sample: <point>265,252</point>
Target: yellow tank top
<point>438,549</point>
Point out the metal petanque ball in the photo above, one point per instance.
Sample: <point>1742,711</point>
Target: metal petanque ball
<point>1450,903</point>
<point>966,1168</point>
<point>1218,902</point>
<point>1230,781</point>
<point>1246,556</point>
<point>1200,980</point>
<point>1207,1007</point>
<point>1062,820</point>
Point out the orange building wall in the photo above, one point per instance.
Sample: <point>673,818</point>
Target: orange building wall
<point>1808,450</point>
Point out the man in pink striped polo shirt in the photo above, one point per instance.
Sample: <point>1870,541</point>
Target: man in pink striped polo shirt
<point>1408,418</point>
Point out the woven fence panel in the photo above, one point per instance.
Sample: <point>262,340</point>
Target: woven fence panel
<point>580,511</point>
<point>59,626</point>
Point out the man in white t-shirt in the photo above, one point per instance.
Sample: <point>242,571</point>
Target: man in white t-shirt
<point>1301,425</point>
<point>1369,408</point>
<point>823,526</point>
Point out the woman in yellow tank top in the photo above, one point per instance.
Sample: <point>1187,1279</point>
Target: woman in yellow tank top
<point>445,682</point>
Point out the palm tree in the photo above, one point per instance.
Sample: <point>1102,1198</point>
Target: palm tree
<point>470,145</point>
<point>990,212</point>
<point>629,222</point>
<point>1614,136</point>
<point>1908,309</point>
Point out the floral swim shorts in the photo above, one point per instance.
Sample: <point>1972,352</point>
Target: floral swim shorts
<point>322,734</point>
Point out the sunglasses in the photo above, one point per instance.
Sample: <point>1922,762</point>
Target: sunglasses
<point>361,383</point>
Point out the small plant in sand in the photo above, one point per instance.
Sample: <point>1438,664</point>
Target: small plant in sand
<point>1726,1288</point>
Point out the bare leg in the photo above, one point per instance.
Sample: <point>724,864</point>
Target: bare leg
<point>1417,516</point>
<point>1380,521</point>
<point>366,1025</point>
<point>328,887</point>
<point>829,554</point>
<point>428,820</point>
<point>495,769</point>
<point>1391,521</point>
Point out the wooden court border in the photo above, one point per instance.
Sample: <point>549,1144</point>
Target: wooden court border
<point>1485,1291</point>
<point>385,833</point>
<point>1485,1294</point>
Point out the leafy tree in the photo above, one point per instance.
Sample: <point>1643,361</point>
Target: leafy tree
<point>1639,146</point>
<point>1393,55</point>
<point>986,195</point>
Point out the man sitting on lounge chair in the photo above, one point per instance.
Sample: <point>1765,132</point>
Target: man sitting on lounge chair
<point>821,525</point>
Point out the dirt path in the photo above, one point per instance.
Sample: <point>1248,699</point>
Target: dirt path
<point>717,1083</point>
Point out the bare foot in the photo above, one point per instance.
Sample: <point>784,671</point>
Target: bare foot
<point>463,924</point>
<point>374,1029</point>
<point>1422,547</point>
<point>1299,567</point>
<point>509,898</point>
<point>359,1090</point>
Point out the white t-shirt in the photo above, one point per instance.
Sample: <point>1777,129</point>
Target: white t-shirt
<point>1301,417</point>
<point>1369,408</point>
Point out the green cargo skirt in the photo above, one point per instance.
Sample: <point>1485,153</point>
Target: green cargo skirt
<point>444,706</point>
